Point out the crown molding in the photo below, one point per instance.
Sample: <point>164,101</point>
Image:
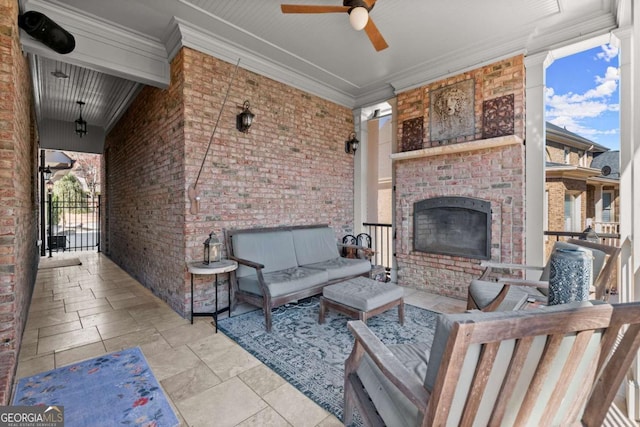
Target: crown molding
<point>102,46</point>
<point>182,34</point>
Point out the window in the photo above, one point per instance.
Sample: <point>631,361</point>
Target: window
<point>567,155</point>
<point>582,158</point>
<point>572,210</point>
<point>607,206</point>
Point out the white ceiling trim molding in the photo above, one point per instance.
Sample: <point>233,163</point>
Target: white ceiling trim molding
<point>473,57</point>
<point>103,46</point>
<point>186,35</point>
<point>61,135</point>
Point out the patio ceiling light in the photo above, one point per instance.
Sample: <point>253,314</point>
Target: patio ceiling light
<point>81,124</point>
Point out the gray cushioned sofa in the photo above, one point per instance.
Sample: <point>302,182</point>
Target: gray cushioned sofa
<point>279,265</point>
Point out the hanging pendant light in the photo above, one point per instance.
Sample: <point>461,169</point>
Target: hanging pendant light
<point>81,124</point>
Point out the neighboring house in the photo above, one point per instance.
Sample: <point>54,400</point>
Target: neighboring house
<point>582,183</point>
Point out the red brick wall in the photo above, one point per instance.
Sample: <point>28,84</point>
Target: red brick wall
<point>143,191</point>
<point>290,168</point>
<point>492,174</point>
<point>18,202</point>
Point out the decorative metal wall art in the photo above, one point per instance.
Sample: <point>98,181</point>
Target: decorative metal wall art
<point>498,116</point>
<point>412,134</point>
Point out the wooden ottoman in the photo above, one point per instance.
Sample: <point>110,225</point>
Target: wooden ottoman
<point>362,298</point>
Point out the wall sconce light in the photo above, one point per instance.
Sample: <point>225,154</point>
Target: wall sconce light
<point>212,248</point>
<point>81,124</point>
<point>244,119</point>
<point>351,145</point>
<point>46,172</point>
<point>49,186</point>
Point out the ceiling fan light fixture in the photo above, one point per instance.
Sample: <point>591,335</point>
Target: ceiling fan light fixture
<point>358,18</point>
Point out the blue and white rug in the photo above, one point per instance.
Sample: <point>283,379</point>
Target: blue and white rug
<point>115,389</point>
<point>311,356</point>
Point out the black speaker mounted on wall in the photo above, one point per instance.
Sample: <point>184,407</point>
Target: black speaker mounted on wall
<point>43,29</point>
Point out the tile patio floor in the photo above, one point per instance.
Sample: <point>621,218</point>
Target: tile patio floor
<point>85,311</point>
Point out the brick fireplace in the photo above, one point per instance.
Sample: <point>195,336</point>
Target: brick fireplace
<point>484,161</point>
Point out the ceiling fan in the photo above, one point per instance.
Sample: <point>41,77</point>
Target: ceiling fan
<point>359,18</point>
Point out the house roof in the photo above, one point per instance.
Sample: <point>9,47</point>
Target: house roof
<point>608,163</point>
<point>558,134</point>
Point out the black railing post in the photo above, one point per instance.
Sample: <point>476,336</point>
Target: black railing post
<point>49,243</point>
<point>99,225</point>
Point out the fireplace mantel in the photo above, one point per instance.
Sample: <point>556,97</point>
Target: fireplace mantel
<point>461,147</point>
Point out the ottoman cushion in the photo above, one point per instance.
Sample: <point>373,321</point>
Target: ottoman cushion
<point>363,294</point>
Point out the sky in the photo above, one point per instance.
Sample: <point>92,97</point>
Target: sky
<point>582,95</point>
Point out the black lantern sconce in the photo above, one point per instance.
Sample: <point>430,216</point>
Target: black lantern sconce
<point>351,145</point>
<point>49,186</point>
<point>244,120</point>
<point>81,124</point>
<point>212,249</point>
<point>46,172</point>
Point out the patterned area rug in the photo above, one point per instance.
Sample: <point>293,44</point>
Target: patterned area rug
<point>115,389</point>
<point>311,356</point>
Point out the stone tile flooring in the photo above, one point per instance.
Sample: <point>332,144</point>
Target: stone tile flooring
<point>81,312</point>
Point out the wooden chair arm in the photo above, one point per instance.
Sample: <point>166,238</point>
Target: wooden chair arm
<point>507,266</point>
<point>524,282</point>
<point>406,382</point>
<point>248,263</point>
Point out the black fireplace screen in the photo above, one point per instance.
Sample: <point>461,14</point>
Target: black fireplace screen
<point>458,226</point>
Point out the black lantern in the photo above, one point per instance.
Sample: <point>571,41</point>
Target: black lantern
<point>351,145</point>
<point>49,186</point>
<point>212,248</point>
<point>244,119</point>
<point>46,172</point>
<point>81,124</point>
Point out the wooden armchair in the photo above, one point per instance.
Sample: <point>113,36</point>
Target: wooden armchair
<point>558,365</point>
<point>512,293</point>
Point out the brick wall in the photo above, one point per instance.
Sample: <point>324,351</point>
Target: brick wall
<point>18,202</point>
<point>290,168</point>
<point>491,174</point>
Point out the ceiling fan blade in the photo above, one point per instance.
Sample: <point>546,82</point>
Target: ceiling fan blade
<point>374,35</point>
<point>300,8</point>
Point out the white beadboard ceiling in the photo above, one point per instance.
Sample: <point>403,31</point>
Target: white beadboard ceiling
<point>123,44</point>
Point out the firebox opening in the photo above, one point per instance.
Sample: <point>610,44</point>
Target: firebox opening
<point>457,226</point>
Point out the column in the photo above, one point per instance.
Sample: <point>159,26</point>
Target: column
<point>535,141</point>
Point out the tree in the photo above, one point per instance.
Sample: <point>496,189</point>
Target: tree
<point>69,190</point>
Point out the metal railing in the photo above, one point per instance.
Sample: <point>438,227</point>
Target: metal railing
<point>611,239</point>
<point>381,243</point>
<point>72,223</point>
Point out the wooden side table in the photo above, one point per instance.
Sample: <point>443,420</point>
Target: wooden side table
<point>215,268</point>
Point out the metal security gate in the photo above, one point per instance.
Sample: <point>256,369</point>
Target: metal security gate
<point>70,223</point>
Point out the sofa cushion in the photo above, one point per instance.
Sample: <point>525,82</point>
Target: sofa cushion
<point>338,268</point>
<point>362,293</point>
<point>273,249</point>
<point>313,245</point>
<point>285,281</point>
<point>484,292</point>
<point>394,408</point>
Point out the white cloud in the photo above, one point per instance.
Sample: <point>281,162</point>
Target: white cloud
<point>570,110</point>
<point>608,52</point>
